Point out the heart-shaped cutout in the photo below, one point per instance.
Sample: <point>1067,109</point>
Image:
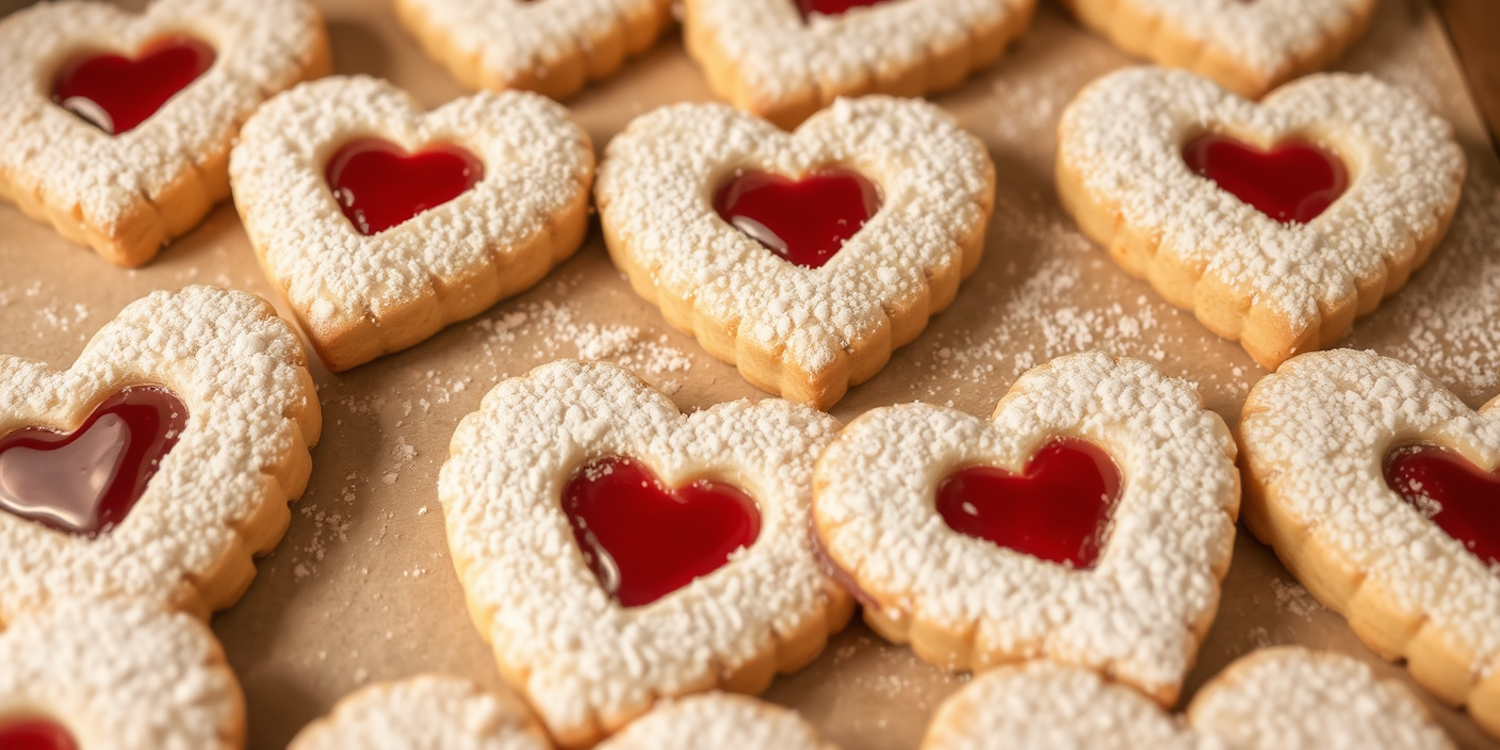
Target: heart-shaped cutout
<point>1451,492</point>
<point>378,184</point>
<point>35,734</point>
<point>117,93</point>
<point>833,7</point>
<point>805,221</point>
<point>1057,509</point>
<point>1293,182</point>
<point>86,482</point>
<point>644,540</point>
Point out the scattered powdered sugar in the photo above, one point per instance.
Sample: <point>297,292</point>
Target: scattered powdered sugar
<point>428,711</point>
<point>1293,598</point>
<point>717,720</point>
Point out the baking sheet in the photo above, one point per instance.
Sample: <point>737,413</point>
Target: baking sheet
<point>362,589</point>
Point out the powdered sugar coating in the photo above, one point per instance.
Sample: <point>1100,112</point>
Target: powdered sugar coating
<point>1138,614</point>
<point>718,720</point>
<point>1123,136</point>
<point>361,296</point>
<point>122,674</point>
<point>431,712</point>
<point>217,497</point>
<point>586,664</point>
<point>655,199</point>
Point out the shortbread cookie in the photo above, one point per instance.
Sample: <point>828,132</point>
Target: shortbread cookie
<point>1285,698</point>
<point>804,259</point>
<point>377,248</point>
<point>1377,488</point>
<point>551,47</point>
<point>614,551</point>
<point>786,59</point>
<point>116,674</point>
<point>1277,249</point>
<point>718,720</point>
<point>1247,46</point>
<point>185,426</point>
<point>1089,522</point>
<point>156,100</point>
<point>429,712</point>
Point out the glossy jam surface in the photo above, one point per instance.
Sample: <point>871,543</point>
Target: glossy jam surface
<point>378,184</point>
<point>833,7</point>
<point>1294,182</point>
<point>1057,509</point>
<point>34,734</point>
<point>85,482</point>
<point>1454,494</point>
<point>804,221</point>
<point>644,540</point>
<point>117,93</point>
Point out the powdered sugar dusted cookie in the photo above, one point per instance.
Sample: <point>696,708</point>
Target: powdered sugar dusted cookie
<point>433,712</point>
<point>614,551</point>
<point>1276,223</point>
<point>115,128</point>
<point>802,258</point>
<point>1247,46</point>
<point>1089,522</point>
<point>160,461</point>
<point>786,59</point>
<point>381,223</point>
<point>1378,489</point>
<point>1285,698</point>
<point>116,674</point>
<point>718,720</point>
<point>551,47</point>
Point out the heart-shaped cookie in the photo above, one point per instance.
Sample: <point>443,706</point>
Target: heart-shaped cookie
<point>116,674</point>
<point>1335,445</point>
<point>721,720</point>
<point>1277,285</point>
<point>116,128</point>
<point>803,326</point>
<point>552,47</point>
<point>786,59</point>
<point>967,601</point>
<point>187,422</point>
<point>587,662</point>
<point>1284,698</point>
<point>427,711</point>
<point>1247,46</point>
<point>317,164</point>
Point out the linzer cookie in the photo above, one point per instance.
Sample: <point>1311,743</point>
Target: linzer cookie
<point>1246,46</point>
<point>1378,489</point>
<point>551,47</point>
<point>786,59</point>
<point>429,711</point>
<point>160,461</point>
<point>718,720</point>
<point>1090,522</point>
<point>1275,223</point>
<point>381,223</point>
<point>115,128</point>
<point>1285,698</point>
<point>802,258</point>
<point>116,674</point>
<point>615,551</point>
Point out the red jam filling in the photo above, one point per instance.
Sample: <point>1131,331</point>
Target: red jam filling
<point>804,221</point>
<point>34,734</point>
<point>117,93</point>
<point>1057,509</point>
<point>1293,182</point>
<point>644,540</point>
<point>86,482</point>
<point>378,185</point>
<point>832,7</point>
<point>1451,492</point>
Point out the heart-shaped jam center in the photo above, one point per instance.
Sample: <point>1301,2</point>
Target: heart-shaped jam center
<point>378,184</point>
<point>804,221</point>
<point>34,734</point>
<point>833,7</point>
<point>1057,509</point>
<point>1451,492</point>
<point>644,540</point>
<point>1294,182</point>
<point>86,482</point>
<point>117,93</point>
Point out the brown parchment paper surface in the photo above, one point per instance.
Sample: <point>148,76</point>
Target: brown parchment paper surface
<point>361,588</point>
